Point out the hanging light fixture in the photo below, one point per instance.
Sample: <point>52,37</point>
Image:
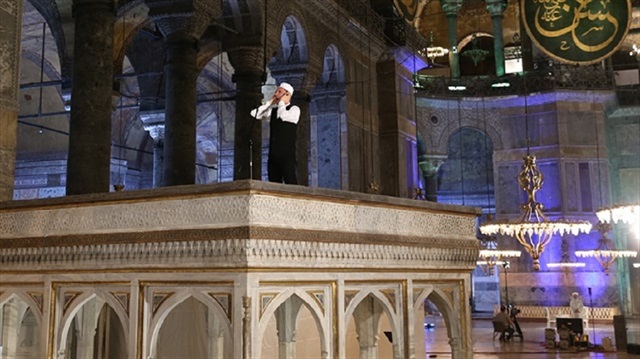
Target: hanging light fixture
<point>606,252</point>
<point>533,229</point>
<point>565,261</point>
<point>627,213</point>
<point>432,51</point>
<point>490,258</point>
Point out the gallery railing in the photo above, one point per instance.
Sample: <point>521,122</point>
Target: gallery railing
<point>554,78</point>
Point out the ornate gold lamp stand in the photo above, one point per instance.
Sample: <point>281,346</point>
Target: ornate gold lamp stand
<point>533,229</point>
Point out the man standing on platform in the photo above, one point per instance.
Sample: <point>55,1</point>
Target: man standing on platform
<point>283,118</point>
<point>576,305</point>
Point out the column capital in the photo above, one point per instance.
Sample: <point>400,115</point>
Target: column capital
<point>430,164</point>
<point>153,122</point>
<point>496,7</point>
<point>247,60</point>
<point>191,17</point>
<point>451,7</point>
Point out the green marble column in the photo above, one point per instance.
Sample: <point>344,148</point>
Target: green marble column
<point>496,9</point>
<point>451,8</point>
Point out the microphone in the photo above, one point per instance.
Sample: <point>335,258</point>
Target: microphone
<point>589,290</point>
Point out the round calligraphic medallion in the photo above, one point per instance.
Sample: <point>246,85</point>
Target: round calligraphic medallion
<point>408,8</point>
<point>578,32</point>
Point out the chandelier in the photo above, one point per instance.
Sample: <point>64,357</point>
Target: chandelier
<point>606,252</point>
<point>533,230</point>
<point>431,52</point>
<point>475,53</point>
<point>490,258</point>
<point>627,213</point>
<point>565,262</point>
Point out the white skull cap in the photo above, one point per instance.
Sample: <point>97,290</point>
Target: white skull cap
<point>287,87</point>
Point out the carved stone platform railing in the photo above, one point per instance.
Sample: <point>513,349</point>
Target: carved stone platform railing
<point>236,225</point>
<point>246,252</point>
<point>555,78</point>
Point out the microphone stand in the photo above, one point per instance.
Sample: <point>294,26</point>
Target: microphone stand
<point>593,323</point>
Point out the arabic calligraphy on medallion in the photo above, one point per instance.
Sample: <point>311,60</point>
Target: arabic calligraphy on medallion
<point>577,31</point>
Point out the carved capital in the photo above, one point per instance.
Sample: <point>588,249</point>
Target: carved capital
<point>247,59</point>
<point>496,7</point>
<point>429,164</point>
<point>153,122</point>
<point>451,7</point>
<point>191,17</point>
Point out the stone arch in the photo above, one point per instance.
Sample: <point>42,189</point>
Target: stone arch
<point>23,335</point>
<point>130,18</point>
<point>441,301</point>
<point>333,60</point>
<point>31,303</point>
<point>51,15</point>
<point>77,304</point>
<point>452,126</point>
<point>386,306</point>
<point>171,303</point>
<point>292,35</point>
<point>308,302</point>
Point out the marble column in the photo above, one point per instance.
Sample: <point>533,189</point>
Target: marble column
<point>181,75</point>
<point>88,162</point>
<point>247,146</point>
<point>10,40</point>
<point>430,165</point>
<point>10,329</point>
<point>303,139</point>
<point>451,8</point>
<point>496,9</point>
<point>367,318</point>
<point>286,316</point>
<point>154,123</point>
<point>181,22</point>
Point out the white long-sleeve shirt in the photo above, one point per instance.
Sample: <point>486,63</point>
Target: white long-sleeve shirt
<point>577,308</point>
<point>264,112</point>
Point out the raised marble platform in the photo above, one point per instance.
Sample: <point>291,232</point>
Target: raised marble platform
<point>244,253</point>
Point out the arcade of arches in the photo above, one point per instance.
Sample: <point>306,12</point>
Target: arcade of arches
<point>135,216</point>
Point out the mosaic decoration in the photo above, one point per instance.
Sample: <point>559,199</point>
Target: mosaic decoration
<point>579,32</point>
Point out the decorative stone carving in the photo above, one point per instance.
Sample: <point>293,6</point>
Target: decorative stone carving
<point>191,17</point>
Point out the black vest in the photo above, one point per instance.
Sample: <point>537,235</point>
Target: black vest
<point>282,136</point>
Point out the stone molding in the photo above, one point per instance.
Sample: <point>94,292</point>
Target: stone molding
<point>238,253</point>
<point>231,210</point>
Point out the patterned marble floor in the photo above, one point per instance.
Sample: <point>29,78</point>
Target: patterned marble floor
<point>531,347</point>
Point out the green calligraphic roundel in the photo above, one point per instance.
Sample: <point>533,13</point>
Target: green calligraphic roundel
<point>577,31</point>
<point>408,8</point>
